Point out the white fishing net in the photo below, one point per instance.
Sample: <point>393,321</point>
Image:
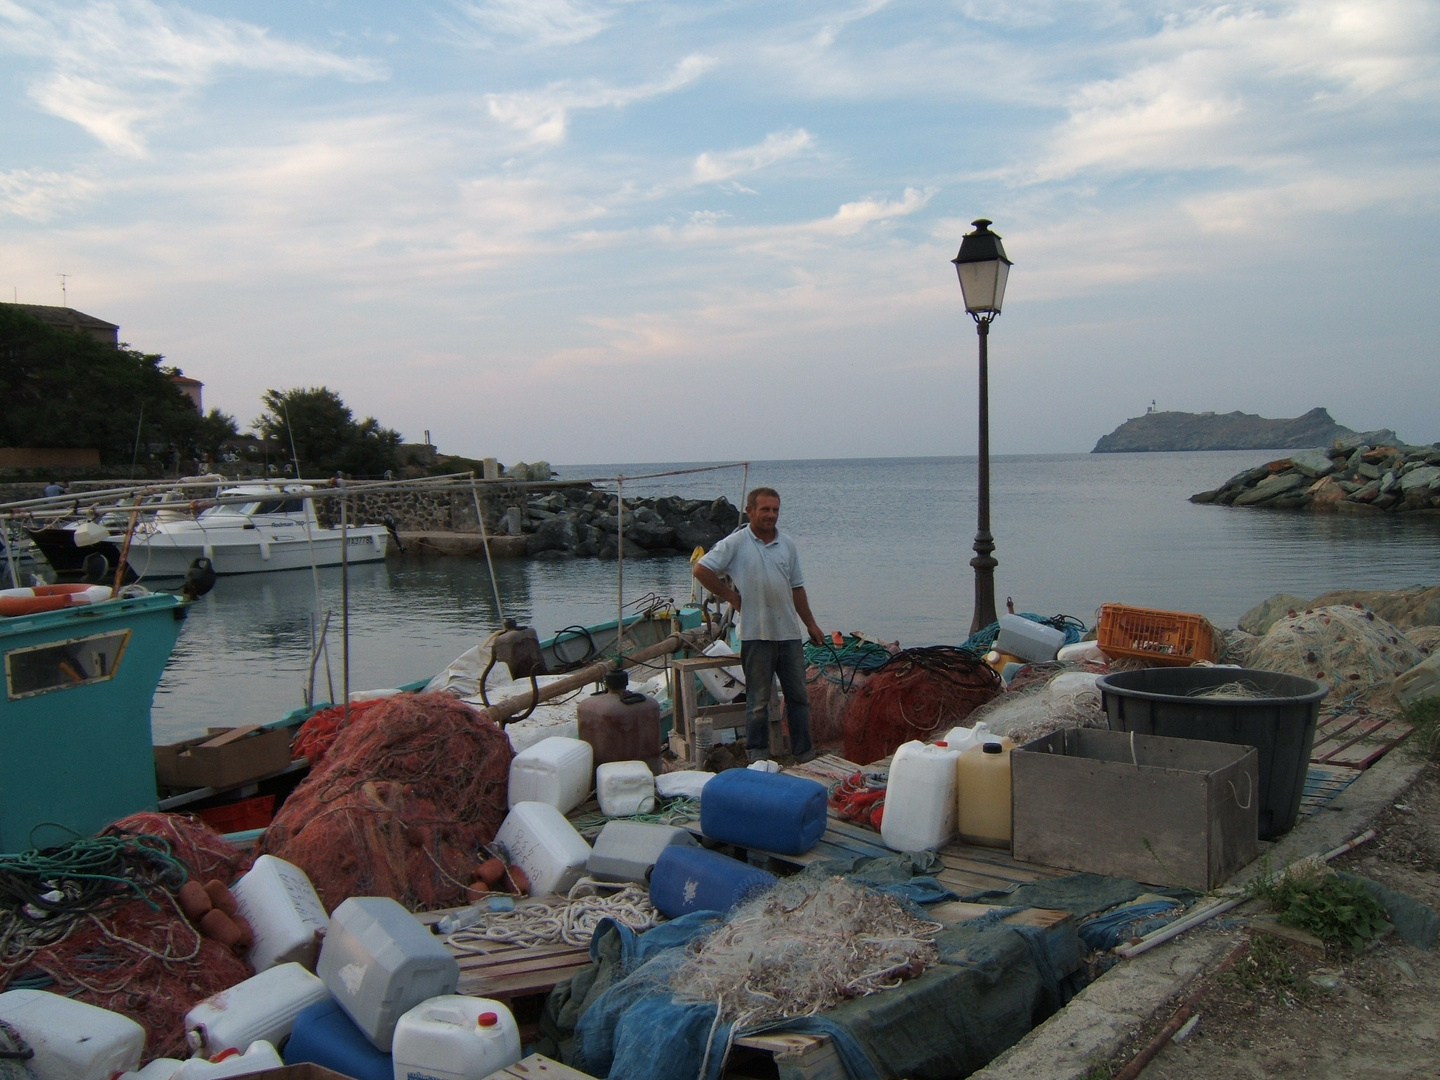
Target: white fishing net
<point>1351,648</point>
<point>1068,699</point>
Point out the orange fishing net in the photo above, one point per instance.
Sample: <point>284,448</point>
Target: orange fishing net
<point>917,693</point>
<point>320,730</point>
<point>400,805</point>
<point>828,700</point>
<point>146,962</point>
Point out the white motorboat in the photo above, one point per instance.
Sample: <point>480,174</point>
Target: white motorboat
<point>254,528</point>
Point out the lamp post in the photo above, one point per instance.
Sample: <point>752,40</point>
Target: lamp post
<point>983,269</point>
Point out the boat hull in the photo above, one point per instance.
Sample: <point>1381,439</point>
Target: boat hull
<point>78,686</point>
<point>167,554</point>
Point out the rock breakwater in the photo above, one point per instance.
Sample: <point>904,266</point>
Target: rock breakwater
<point>1350,477</point>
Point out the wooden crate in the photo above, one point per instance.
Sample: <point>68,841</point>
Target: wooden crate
<point>539,1067</point>
<point>1158,810</point>
<point>720,717</point>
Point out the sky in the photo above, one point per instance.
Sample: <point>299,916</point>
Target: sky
<point>647,231</point>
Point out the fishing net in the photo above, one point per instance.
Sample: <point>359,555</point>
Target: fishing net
<point>320,730</point>
<point>401,805</point>
<point>1350,648</point>
<point>834,672</point>
<point>97,920</point>
<point>804,946</point>
<point>1043,699</point>
<point>916,693</point>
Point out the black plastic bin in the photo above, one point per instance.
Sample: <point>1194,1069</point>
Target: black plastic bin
<point>1280,723</point>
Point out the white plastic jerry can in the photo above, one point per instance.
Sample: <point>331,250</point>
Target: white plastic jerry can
<point>72,1040</point>
<point>283,909</point>
<point>455,1038</point>
<point>258,1057</point>
<point>263,1007</point>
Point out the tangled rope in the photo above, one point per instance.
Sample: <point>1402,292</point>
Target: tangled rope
<point>571,922</point>
<point>860,797</point>
<point>674,811</point>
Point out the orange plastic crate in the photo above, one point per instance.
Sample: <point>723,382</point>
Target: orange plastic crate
<point>1164,638</point>
<point>255,813</point>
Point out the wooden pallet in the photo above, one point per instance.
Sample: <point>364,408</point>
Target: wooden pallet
<point>1323,783</point>
<point>505,971</point>
<point>1357,740</point>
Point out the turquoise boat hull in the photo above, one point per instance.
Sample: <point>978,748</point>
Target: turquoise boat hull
<point>78,685</point>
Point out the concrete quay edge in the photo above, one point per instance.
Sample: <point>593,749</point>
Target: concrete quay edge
<point>1096,1023</point>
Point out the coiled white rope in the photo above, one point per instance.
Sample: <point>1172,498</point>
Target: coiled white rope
<point>571,921</point>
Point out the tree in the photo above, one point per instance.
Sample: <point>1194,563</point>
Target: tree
<point>63,389</point>
<point>325,435</point>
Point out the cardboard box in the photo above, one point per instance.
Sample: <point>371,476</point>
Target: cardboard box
<point>226,757</point>
<point>1157,810</point>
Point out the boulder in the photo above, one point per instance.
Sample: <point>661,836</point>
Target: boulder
<point>651,536</point>
<point>1272,487</point>
<point>1422,478</point>
<point>1313,463</point>
<point>1325,493</point>
<point>557,534</point>
<point>704,534</point>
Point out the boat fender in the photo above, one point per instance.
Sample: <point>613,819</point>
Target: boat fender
<point>49,598</point>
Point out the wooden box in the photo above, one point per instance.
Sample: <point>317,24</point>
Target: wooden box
<point>1157,810</point>
<point>226,757</point>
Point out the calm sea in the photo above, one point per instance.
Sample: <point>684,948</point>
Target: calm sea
<point>885,543</point>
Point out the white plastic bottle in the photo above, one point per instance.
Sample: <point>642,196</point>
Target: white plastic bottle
<point>282,907</point>
<point>455,1038</point>
<point>920,797</point>
<point>263,1007</point>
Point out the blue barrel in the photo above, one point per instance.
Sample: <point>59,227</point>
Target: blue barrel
<point>325,1036</point>
<point>769,811</point>
<point>687,879</point>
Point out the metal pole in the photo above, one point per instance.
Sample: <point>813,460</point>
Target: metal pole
<point>344,613</point>
<point>984,561</point>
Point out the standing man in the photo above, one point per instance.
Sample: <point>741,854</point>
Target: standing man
<point>764,566</point>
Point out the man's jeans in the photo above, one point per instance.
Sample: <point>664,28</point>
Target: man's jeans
<point>762,660</point>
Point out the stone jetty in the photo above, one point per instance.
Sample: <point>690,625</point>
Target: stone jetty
<point>1350,478</point>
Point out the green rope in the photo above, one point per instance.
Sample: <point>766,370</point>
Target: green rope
<point>676,811</point>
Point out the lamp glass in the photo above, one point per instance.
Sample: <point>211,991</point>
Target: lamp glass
<point>983,284</point>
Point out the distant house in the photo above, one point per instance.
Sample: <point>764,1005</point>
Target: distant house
<point>64,318</point>
<point>190,388</point>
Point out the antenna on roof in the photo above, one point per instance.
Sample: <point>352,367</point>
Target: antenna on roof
<point>64,295</point>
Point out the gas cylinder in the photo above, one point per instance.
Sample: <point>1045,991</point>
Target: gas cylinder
<point>620,724</point>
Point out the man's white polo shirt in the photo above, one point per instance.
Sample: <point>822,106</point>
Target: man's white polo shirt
<point>765,575</point>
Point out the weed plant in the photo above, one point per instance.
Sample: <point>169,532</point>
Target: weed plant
<point>1266,969</point>
<point>1424,717</point>
<point>1338,911</point>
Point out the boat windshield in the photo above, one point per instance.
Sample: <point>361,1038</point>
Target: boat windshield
<point>232,510</point>
<point>281,506</point>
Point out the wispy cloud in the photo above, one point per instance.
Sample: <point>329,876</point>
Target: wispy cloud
<point>39,195</point>
<point>543,114</point>
<point>540,24</point>
<point>117,67</point>
<point>714,167</point>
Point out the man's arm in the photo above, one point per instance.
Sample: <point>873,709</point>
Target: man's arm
<point>712,581</point>
<point>802,608</point>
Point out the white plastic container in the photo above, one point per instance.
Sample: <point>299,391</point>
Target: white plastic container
<point>380,962</point>
<point>1028,640</point>
<point>1071,689</point>
<point>983,802</point>
<point>920,798</point>
<point>263,1007</point>
<point>556,770</point>
<point>259,1056</point>
<point>960,739</point>
<point>455,1038</point>
<point>282,907</point>
<point>1080,652</point>
<point>625,788</point>
<point>727,683</point>
<point>627,850</point>
<point>159,1069</point>
<point>72,1040</point>
<point>542,843</point>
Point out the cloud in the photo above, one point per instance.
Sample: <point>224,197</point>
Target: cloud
<point>543,114</point>
<point>117,68</point>
<point>39,195</point>
<point>541,24</point>
<point>711,168</point>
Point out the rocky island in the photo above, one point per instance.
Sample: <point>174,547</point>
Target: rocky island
<point>1170,431</point>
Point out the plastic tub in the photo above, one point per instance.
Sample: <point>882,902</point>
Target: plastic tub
<point>556,770</point>
<point>541,842</point>
<point>72,1040</point>
<point>920,797</point>
<point>281,906</point>
<point>625,788</point>
<point>769,811</point>
<point>455,1038</point>
<point>1280,723</point>
<point>380,962</point>
<point>687,879</point>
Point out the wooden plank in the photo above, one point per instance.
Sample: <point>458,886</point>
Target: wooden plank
<point>1357,741</point>
<point>539,1067</point>
<point>798,1057</point>
<point>481,985</point>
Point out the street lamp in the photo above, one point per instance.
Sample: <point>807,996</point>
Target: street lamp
<point>983,269</point>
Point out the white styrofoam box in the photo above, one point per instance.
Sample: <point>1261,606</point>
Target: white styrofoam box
<point>627,850</point>
<point>1028,640</point>
<point>687,783</point>
<point>727,683</point>
<point>455,1038</point>
<point>541,842</point>
<point>556,770</point>
<point>72,1040</point>
<point>277,900</point>
<point>263,1007</point>
<point>380,962</point>
<point>625,788</point>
